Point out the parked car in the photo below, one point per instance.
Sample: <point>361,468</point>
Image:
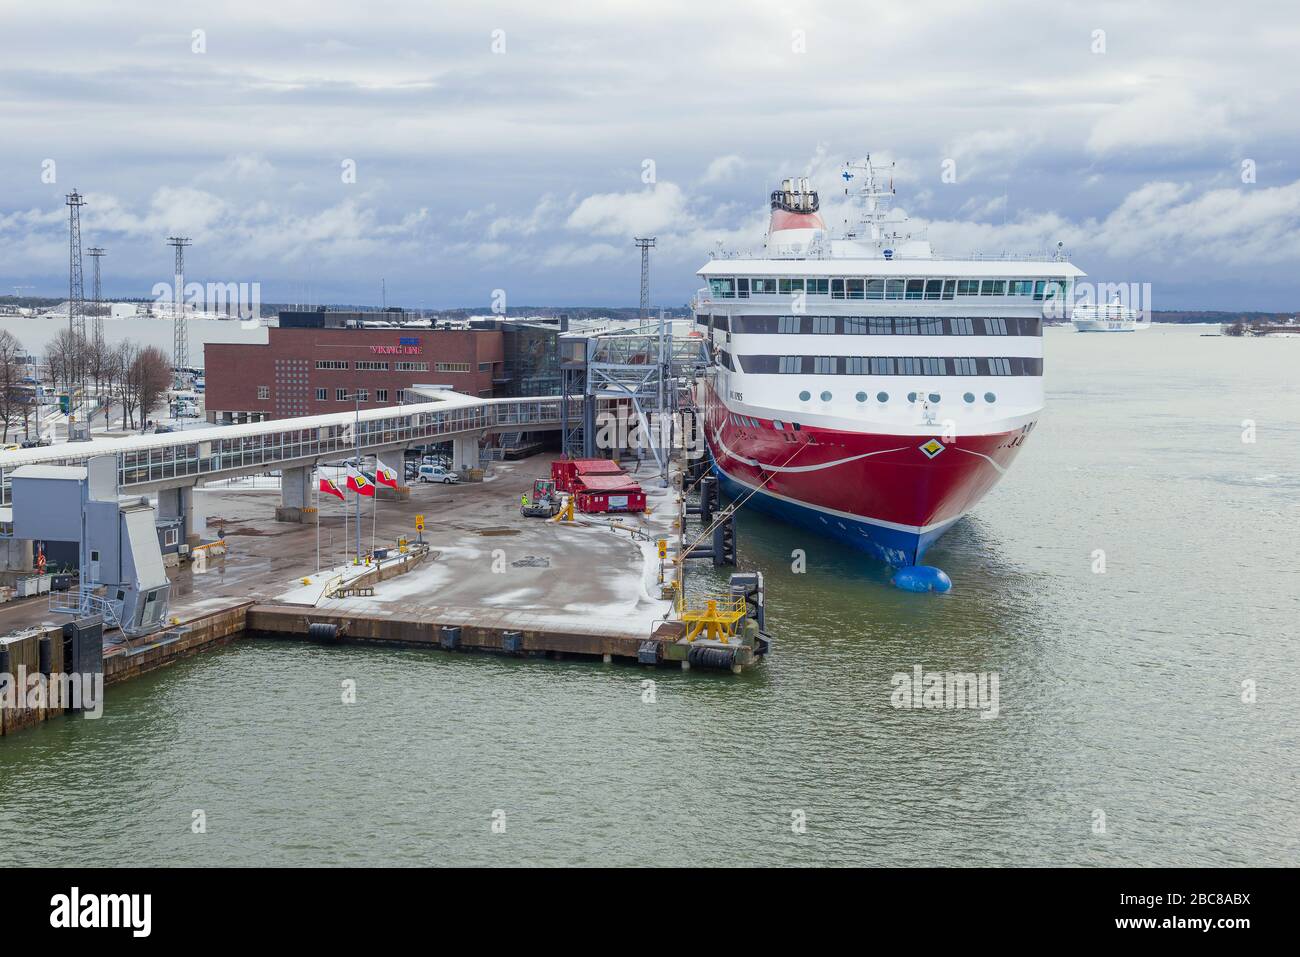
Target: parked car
<point>436,473</point>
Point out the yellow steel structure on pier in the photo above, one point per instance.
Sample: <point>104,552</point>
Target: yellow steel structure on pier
<point>717,620</point>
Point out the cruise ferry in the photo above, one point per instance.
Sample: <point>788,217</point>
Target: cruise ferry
<point>861,385</point>
<point>1111,317</point>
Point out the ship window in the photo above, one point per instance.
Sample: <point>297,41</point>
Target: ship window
<point>826,396</point>
<point>723,288</point>
<point>875,289</point>
<point>805,395</point>
<point>788,324</point>
<point>823,325</point>
<point>911,397</point>
<point>965,365</point>
<point>995,326</point>
<point>934,366</point>
<point>790,364</point>
<point>935,397</point>
<point>904,327</point>
<point>778,425</point>
<point>855,365</point>
<point>854,287</point>
<point>930,327</point>
<point>990,397</point>
<point>1020,287</point>
<point>882,327</point>
<point>742,288</point>
<point>999,366</point>
<point>909,365</point>
<point>1039,287</point>
<point>882,365</point>
<point>993,287</point>
<point>861,397</point>
<point>949,287</point>
<point>882,396</point>
<point>915,287</point>
<point>824,365</point>
<point>894,288</point>
<point>855,326</point>
<point>762,287</point>
<point>818,287</point>
<point>961,326</point>
<point>969,397</point>
<point>968,287</point>
<point>837,288</point>
<point>791,286</point>
<point>933,288</point>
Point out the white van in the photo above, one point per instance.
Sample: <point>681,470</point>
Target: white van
<point>436,473</point>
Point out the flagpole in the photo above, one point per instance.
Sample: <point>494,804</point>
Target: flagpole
<point>374,508</point>
<point>317,478</point>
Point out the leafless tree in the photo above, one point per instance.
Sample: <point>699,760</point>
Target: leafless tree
<point>124,360</point>
<point>66,359</point>
<point>155,378</point>
<point>13,394</point>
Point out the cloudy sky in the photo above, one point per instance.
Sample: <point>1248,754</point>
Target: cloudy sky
<point>508,145</point>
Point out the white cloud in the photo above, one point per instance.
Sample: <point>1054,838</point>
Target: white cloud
<point>655,209</point>
<point>723,168</point>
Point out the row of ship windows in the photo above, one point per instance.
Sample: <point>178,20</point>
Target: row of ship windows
<point>882,397</point>
<point>884,365</point>
<point>748,421</point>
<point>880,325</point>
<point>742,287</point>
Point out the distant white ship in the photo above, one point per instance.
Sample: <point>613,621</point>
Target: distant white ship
<point>1112,317</point>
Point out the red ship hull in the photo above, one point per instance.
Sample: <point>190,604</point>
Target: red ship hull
<point>890,495</point>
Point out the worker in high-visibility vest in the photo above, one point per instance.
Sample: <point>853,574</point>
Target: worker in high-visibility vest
<point>523,500</point>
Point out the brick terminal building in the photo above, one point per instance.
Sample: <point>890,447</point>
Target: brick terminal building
<point>314,361</point>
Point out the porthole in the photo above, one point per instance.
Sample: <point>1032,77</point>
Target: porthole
<point>805,396</point>
<point>882,396</point>
<point>911,397</point>
<point>969,397</point>
<point>990,397</point>
<point>861,397</point>
<point>826,396</point>
<point>935,397</point>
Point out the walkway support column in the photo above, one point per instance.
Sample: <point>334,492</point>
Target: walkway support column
<point>464,453</point>
<point>295,496</point>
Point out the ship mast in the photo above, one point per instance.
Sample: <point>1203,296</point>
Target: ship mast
<point>872,198</point>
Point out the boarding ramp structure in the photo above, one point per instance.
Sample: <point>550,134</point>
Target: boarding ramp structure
<point>122,577</point>
<point>170,465</point>
<point>641,369</point>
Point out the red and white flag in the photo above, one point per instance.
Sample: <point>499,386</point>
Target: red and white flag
<point>358,482</point>
<point>384,475</point>
<point>329,488</point>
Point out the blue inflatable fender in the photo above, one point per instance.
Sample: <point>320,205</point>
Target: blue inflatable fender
<point>922,578</point>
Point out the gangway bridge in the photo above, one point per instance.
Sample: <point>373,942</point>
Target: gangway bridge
<point>172,463</point>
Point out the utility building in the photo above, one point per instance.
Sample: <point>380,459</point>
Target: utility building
<point>122,574</point>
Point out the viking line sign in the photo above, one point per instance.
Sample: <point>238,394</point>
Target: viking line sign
<point>407,346</point>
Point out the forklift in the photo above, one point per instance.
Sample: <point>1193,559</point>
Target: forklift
<point>543,501</point>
